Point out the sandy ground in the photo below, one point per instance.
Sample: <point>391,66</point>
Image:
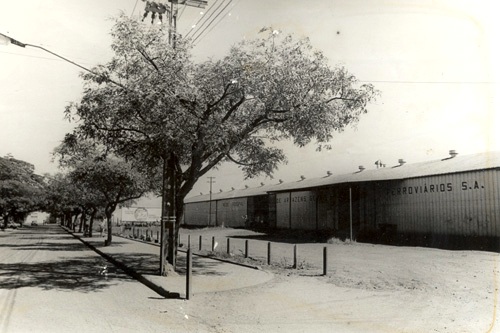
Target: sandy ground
<point>368,288</point>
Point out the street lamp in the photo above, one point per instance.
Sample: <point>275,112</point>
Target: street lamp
<point>6,40</point>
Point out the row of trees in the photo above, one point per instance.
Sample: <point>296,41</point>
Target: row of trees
<point>92,186</point>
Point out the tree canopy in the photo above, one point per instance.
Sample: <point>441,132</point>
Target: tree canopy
<point>21,190</point>
<point>232,109</point>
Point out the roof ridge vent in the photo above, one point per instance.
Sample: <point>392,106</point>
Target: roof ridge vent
<point>302,177</point>
<point>328,173</point>
<point>401,161</point>
<point>280,181</point>
<point>453,153</point>
<point>361,168</point>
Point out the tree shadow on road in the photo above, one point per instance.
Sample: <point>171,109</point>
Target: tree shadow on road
<point>67,267</point>
<point>83,274</point>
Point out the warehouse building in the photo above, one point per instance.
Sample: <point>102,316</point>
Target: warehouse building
<point>450,202</point>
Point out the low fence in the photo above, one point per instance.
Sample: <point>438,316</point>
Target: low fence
<point>239,249</point>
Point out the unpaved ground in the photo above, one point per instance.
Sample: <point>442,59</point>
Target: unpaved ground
<point>368,288</point>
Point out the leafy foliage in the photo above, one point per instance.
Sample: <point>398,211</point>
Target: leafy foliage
<point>21,190</point>
<point>233,109</point>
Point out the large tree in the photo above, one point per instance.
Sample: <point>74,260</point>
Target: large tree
<point>153,104</point>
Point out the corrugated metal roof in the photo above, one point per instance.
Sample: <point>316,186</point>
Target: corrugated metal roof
<point>237,193</point>
<point>448,165</point>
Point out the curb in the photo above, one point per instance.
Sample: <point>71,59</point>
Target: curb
<point>132,273</point>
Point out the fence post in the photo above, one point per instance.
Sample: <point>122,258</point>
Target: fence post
<point>325,260</point>
<point>189,269</point>
<point>295,256</point>
<point>189,241</point>
<point>246,248</point>
<point>228,245</point>
<point>213,243</point>
<point>199,245</point>
<point>269,253</point>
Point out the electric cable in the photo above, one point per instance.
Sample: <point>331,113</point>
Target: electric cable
<point>133,10</point>
<point>210,16</point>
<point>197,37</point>
<point>201,18</point>
<point>182,11</point>
<point>217,23</point>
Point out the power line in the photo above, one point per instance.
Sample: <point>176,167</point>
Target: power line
<point>201,18</point>
<point>216,24</point>
<point>182,11</point>
<point>208,18</point>
<point>133,10</point>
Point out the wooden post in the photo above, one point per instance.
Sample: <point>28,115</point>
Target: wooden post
<point>246,248</point>
<point>189,241</point>
<point>189,271</point>
<point>269,253</point>
<point>213,243</point>
<point>325,260</point>
<point>295,256</point>
<point>199,245</point>
<point>228,245</point>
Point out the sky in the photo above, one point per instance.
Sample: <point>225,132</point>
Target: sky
<point>436,64</point>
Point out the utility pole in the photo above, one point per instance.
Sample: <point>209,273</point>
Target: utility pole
<point>168,211</point>
<point>211,181</point>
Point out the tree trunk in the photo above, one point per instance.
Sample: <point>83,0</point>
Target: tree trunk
<point>5,219</point>
<point>74,222</point>
<point>68,220</point>
<point>109,213</point>
<point>91,223</point>
<point>82,221</point>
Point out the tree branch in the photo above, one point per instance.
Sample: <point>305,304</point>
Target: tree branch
<point>233,108</point>
<point>148,59</point>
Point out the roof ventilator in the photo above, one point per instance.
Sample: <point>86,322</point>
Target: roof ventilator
<point>453,153</point>
<point>361,168</point>
<point>401,161</point>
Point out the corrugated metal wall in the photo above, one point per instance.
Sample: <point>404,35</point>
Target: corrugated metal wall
<point>232,212</point>
<point>296,210</point>
<point>464,204</point>
<point>457,204</point>
<point>283,210</point>
<point>196,213</point>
